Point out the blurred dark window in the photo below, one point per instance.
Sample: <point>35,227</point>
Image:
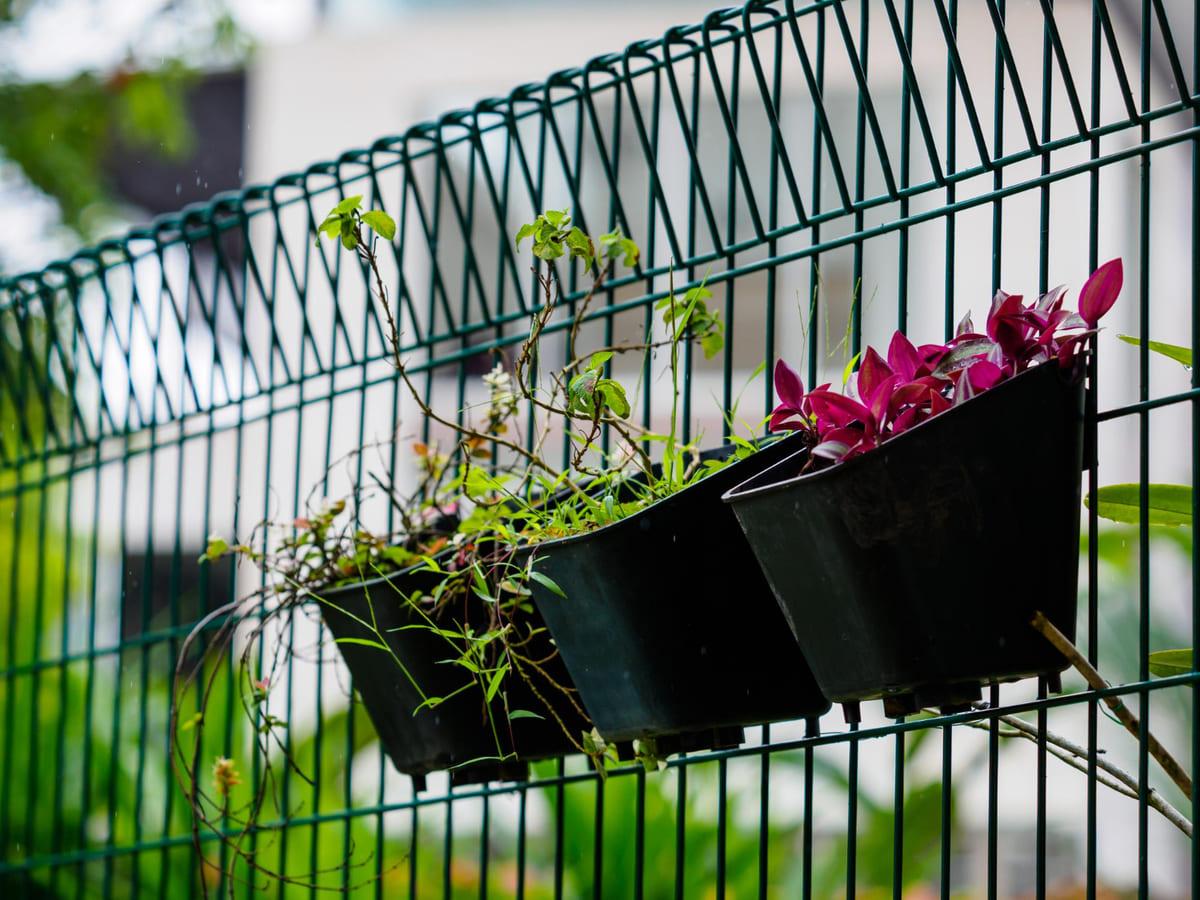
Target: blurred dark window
<point>216,110</point>
<point>152,586</point>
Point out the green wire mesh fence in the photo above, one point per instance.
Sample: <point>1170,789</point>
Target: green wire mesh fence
<point>833,170</point>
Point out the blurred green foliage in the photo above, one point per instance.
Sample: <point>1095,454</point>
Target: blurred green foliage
<point>60,133</point>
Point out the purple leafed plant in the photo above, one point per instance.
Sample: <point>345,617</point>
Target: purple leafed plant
<point>886,397</point>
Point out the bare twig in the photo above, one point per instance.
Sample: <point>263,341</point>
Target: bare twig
<point>582,308</point>
<point>1109,774</point>
<point>367,255</point>
<point>624,428</point>
<point>1096,681</point>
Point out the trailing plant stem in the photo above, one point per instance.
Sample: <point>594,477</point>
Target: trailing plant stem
<point>1096,681</point>
<point>1115,778</point>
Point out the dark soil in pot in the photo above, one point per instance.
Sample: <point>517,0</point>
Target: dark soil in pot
<point>457,730</point>
<point>911,572</point>
<point>669,629</point>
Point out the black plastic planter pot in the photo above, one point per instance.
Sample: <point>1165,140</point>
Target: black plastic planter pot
<point>456,731</point>
<point>911,572</point>
<point>668,627</point>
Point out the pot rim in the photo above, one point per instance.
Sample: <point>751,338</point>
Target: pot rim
<point>554,543</point>
<point>741,492</point>
<point>318,595</point>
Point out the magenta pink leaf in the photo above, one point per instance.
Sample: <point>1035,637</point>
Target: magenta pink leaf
<point>1003,305</point>
<point>788,386</point>
<point>1009,325</point>
<point>983,375</point>
<point>888,397</point>
<point>1035,318</point>
<point>909,394</point>
<point>1072,320</point>
<point>999,308</point>
<point>1052,299</point>
<point>964,351</point>
<point>836,410</point>
<point>1100,291</point>
<point>903,358</point>
<point>835,450</point>
<point>784,418</point>
<point>931,357</point>
<point>881,401</point>
<point>871,374</point>
<point>963,390</point>
<point>965,325</point>
<point>1070,346</point>
<point>907,419</point>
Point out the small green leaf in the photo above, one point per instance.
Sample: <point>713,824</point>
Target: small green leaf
<point>479,585</point>
<point>581,246</point>
<point>1170,504</point>
<point>610,507</point>
<point>494,684</point>
<point>548,583</point>
<point>523,232</point>
<point>480,483</point>
<point>515,714</point>
<point>381,223</point>
<point>846,372</point>
<point>217,547</point>
<point>557,217</point>
<point>580,391</point>
<point>365,642</point>
<point>349,241</point>
<point>598,360</point>
<point>1173,351</point>
<point>347,206</point>
<point>191,722</point>
<point>482,595</point>
<point>548,250</point>
<point>614,244</point>
<point>593,743</point>
<point>614,396</point>
<point>712,343</point>
<point>461,661</point>
<point>1165,663</point>
<point>331,226</point>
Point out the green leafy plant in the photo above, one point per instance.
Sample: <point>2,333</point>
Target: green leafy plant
<point>481,506</point>
<point>1167,505</point>
<point>1181,355</point>
<point>690,315</point>
<point>346,220</point>
<point>1165,663</point>
<point>554,237</point>
<point>589,393</point>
